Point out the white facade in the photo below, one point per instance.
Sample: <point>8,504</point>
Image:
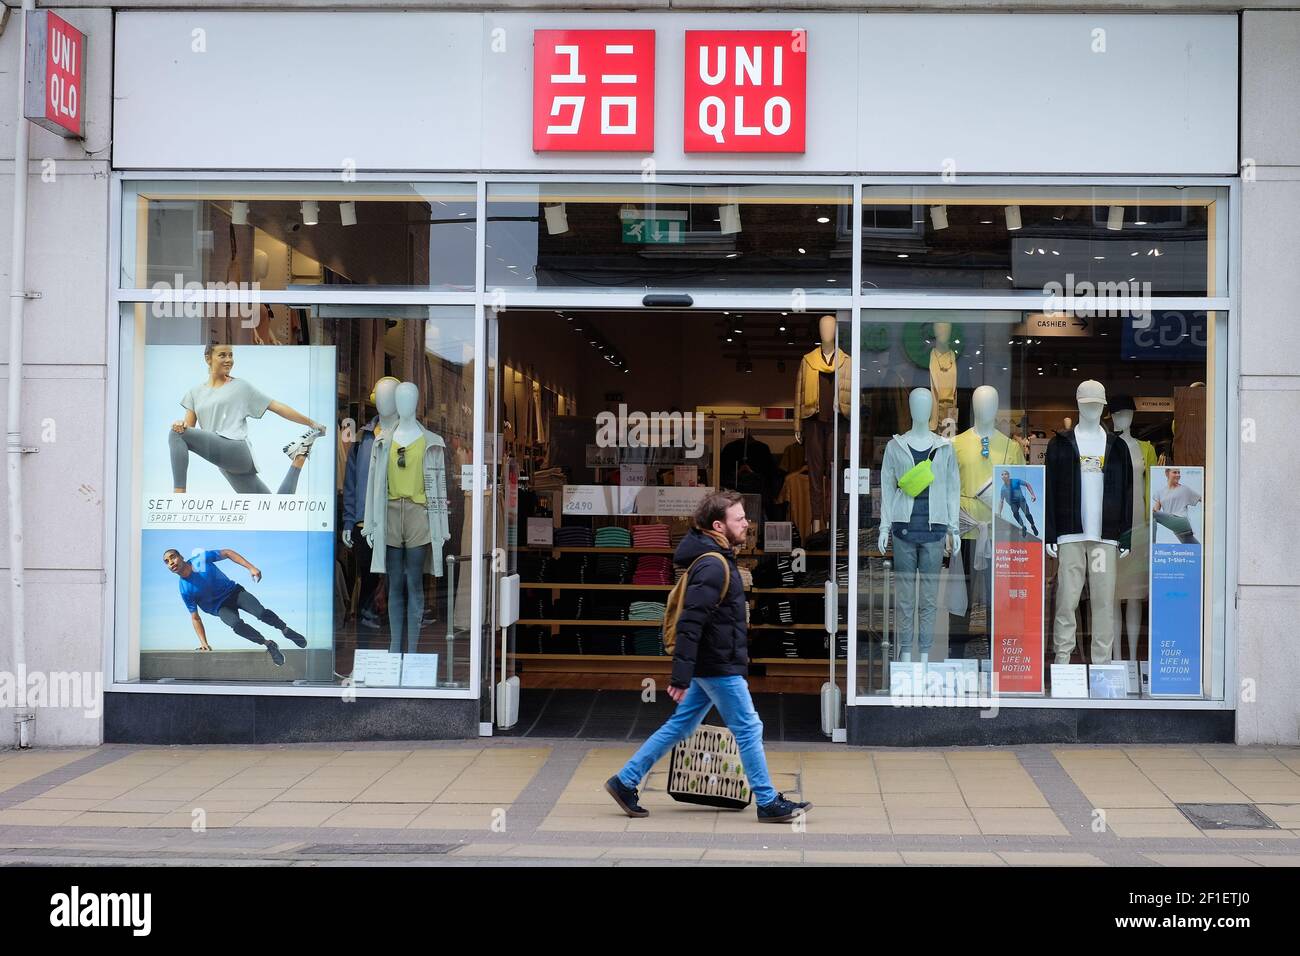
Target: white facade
<point>450,92</point>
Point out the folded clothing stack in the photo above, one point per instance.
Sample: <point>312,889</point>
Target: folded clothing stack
<point>651,536</point>
<point>608,610</point>
<point>653,569</point>
<point>548,479</point>
<point>612,536</point>
<point>646,611</point>
<point>568,641</point>
<point>572,607</point>
<point>648,641</point>
<point>747,578</point>
<point>606,642</point>
<point>573,536</point>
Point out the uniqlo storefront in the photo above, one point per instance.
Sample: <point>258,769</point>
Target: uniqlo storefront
<point>423,364</point>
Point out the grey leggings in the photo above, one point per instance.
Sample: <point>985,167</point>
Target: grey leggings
<point>232,457</point>
<point>241,600</point>
<point>405,570</point>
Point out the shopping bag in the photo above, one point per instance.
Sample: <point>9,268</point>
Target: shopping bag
<point>705,768</point>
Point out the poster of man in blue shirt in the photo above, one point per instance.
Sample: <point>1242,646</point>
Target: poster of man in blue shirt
<point>1013,494</point>
<point>203,587</point>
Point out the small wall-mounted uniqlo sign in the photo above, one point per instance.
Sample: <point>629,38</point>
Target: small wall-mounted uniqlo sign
<point>746,91</point>
<point>594,90</point>
<point>56,75</point>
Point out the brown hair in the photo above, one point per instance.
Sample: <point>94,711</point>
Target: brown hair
<point>714,508</point>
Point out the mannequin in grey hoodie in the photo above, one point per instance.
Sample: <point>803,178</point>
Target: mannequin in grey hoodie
<point>920,526</point>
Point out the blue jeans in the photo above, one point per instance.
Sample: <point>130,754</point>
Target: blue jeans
<point>913,560</point>
<point>731,696</point>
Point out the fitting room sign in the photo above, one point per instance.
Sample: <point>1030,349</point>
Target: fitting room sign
<point>54,97</point>
<point>744,91</point>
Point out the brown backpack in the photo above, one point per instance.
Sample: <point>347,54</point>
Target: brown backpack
<point>677,598</point>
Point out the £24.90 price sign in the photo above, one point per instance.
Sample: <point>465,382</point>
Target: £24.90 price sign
<point>594,90</point>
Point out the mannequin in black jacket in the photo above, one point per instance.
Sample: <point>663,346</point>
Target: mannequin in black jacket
<point>1089,504</point>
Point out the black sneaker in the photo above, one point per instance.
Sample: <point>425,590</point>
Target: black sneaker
<point>294,636</point>
<point>625,797</point>
<point>274,650</point>
<point>781,810</point>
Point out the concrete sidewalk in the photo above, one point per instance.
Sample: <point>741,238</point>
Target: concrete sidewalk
<point>512,802</point>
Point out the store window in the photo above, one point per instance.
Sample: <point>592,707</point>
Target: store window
<point>1041,519</point>
<point>593,237</point>
<point>296,510</point>
<point>1109,241</point>
<point>273,236</point>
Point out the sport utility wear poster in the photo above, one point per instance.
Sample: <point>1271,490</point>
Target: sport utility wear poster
<point>1177,536</point>
<point>1016,499</point>
<point>237,513</point>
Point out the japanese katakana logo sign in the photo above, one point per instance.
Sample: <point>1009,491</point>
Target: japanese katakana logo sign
<point>594,90</point>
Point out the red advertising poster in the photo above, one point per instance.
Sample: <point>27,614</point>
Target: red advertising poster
<point>746,91</point>
<point>594,90</point>
<point>1016,499</point>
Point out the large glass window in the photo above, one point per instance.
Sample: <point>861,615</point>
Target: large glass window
<point>1123,240</point>
<point>274,236</point>
<point>1040,518</point>
<point>618,236</point>
<point>296,489</point>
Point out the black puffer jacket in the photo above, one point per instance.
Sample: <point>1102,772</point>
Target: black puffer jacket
<point>712,638</point>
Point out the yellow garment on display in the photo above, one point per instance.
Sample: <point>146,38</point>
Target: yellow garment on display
<point>807,395</point>
<point>977,471</point>
<point>943,387</point>
<point>797,493</point>
<point>407,482</point>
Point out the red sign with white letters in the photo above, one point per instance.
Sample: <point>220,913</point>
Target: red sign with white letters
<point>746,91</point>
<point>594,90</point>
<point>56,74</point>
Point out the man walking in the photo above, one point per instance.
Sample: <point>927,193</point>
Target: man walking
<point>1013,494</point>
<point>204,587</point>
<point>710,661</point>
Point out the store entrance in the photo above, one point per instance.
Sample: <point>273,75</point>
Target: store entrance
<point>613,423</point>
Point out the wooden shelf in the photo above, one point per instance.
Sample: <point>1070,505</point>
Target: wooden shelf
<point>544,586</point>
<point>787,627</point>
<point>593,623</point>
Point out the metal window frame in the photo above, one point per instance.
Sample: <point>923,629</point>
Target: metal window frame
<point>857,302</point>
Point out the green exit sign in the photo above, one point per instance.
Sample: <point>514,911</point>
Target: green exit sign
<point>651,226</point>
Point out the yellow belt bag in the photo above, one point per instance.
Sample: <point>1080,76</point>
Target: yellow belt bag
<point>919,477</point>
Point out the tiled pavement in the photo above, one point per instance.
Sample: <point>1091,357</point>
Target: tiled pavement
<point>504,801</point>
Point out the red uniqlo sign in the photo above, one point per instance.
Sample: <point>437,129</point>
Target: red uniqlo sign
<point>56,74</point>
<point>594,90</point>
<point>746,91</point>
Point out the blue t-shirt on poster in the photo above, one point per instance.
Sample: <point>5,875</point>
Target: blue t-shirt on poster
<point>206,588</point>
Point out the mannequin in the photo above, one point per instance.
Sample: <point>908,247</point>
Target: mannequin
<point>943,380</point>
<point>1088,509</point>
<point>821,416</point>
<point>979,450</point>
<point>406,514</point>
<point>921,526</point>
<point>355,482</point>
<point>1131,588</point>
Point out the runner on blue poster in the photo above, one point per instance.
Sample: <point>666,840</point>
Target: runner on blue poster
<point>1177,561</point>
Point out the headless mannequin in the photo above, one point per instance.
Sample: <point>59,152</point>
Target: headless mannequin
<point>386,405</point>
<point>918,438</point>
<point>943,381</point>
<point>830,354</point>
<point>1088,433</point>
<point>1132,608</point>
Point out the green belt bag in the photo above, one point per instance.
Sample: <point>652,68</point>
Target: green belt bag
<point>919,477</point>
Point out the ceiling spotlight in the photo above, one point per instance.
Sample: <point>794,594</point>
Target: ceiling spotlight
<point>310,212</point>
<point>802,251</point>
<point>939,216</point>
<point>729,219</point>
<point>239,212</point>
<point>823,219</point>
<point>557,220</point>
<point>1115,218</point>
<point>1012,214</point>
<point>348,213</point>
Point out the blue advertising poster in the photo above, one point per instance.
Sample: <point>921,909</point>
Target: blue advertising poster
<point>1164,336</point>
<point>1177,533</point>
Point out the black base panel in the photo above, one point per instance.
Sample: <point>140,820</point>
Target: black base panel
<point>964,727</point>
<point>251,719</point>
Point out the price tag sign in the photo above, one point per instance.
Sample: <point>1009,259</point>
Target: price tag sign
<point>590,500</point>
<point>541,531</point>
<point>778,536</point>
